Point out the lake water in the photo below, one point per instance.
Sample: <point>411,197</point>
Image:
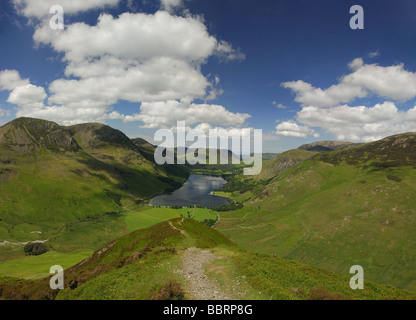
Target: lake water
<point>196,191</point>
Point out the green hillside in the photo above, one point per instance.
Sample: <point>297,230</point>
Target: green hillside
<point>69,185</point>
<point>282,162</point>
<point>149,264</point>
<point>51,175</point>
<point>338,209</point>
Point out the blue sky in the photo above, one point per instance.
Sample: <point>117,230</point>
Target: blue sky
<point>216,63</point>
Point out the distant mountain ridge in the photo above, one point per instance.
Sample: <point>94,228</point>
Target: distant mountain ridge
<point>325,146</point>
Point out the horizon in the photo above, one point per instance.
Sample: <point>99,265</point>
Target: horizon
<point>294,69</point>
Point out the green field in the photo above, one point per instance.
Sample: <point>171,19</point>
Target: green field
<point>147,218</point>
<point>38,266</point>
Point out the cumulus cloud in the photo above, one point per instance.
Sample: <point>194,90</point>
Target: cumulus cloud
<point>28,96</point>
<point>306,94</point>
<point>10,79</point>
<point>393,82</point>
<point>133,36</point>
<point>292,129</point>
<point>153,60</point>
<point>165,114</point>
<point>158,79</point>
<point>30,102</point>
<point>329,108</point>
<point>360,123</point>
<point>40,9</point>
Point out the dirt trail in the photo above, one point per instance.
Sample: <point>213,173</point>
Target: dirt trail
<point>199,286</point>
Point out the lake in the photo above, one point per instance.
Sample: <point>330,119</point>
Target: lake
<point>196,191</point>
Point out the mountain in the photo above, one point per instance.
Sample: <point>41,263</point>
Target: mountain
<point>335,210</point>
<point>183,259</point>
<point>283,162</point>
<point>106,144</point>
<point>325,146</point>
<point>25,135</point>
<point>218,169</point>
<point>269,156</point>
<point>52,175</point>
<point>139,142</point>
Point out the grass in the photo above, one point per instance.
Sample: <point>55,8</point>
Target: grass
<point>86,237</point>
<point>334,216</point>
<point>146,218</point>
<point>74,198</point>
<point>39,266</point>
<point>249,275</point>
<point>278,279</point>
<point>142,265</point>
<point>132,282</point>
<point>47,180</point>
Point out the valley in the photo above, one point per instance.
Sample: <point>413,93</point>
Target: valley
<point>292,232</point>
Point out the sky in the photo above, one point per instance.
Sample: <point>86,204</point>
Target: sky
<point>293,68</point>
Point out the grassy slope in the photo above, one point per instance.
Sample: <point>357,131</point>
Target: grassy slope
<point>339,209</point>
<point>48,188</point>
<point>86,237</point>
<point>51,188</point>
<point>137,265</point>
<point>282,162</point>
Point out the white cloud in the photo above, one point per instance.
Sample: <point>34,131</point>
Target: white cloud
<point>328,109</point>
<point>171,5</point>
<point>39,9</point>
<point>389,82</point>
<point>279,105</point>
<point>226,52</point>
<point>133,36</point>
<point>356,64</point>
<point>152,59</point>
<point>28,97</point>
<point>360,123</point>
<point>374,54</point>
<point>306,94</point>
<point>292,129</point>
<point>165,114</point>
<point>161,78</point>
<point>10,79</point>
<point>392,82</point>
